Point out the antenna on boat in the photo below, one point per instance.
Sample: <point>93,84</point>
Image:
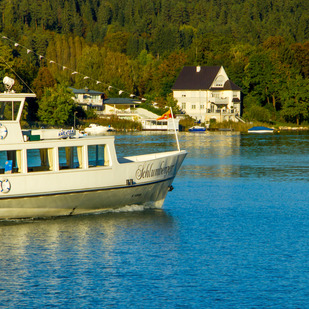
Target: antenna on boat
<point>175,129</point>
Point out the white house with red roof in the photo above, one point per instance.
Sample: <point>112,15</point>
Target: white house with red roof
<point>206,92</point>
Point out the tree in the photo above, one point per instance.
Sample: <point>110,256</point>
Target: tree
<point>296,100</point>
<point>257,113</point>
<point>258,77</point>
<point>167,72</point>
<point>42,81</point>
<point>301,54</point>
<point>56,106</point>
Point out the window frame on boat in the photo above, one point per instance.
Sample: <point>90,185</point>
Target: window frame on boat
<point>74,157</point>
<point>46,158</point>
<point>60,158</point>
<point>13,162</point>
<point>102,157</point>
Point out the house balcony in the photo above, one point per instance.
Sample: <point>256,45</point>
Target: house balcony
<point>89,101</point>
<point>221,115</point>
<point>219,101</point>
<point>222,111</point>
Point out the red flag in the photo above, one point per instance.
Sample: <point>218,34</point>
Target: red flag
<point>166,115</point>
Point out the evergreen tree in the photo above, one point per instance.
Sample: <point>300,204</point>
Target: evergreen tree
<point>56,106</point>
<point>295,98</point>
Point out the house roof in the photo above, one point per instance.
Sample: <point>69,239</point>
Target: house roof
<point>124,101</point>
<point>190,79</point>
<point>86,91</point>
<point>229,85</point>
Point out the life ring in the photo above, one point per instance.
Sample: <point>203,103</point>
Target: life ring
<point>5,186</point>
<point>3,131</point>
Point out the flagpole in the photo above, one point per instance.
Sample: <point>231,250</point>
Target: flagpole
<point>175,129</point>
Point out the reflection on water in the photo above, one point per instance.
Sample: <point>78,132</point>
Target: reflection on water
<point>51,257</point>
<point>281,157</point>
<point>214,154</point>
<point>234,234</point>
<point>18,234</point>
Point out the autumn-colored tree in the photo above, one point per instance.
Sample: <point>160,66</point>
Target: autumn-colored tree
<point>301,54</point>
<point>43,80</point>
<point>167,72</point>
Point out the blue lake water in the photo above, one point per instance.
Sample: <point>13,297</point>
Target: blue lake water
<point>234,233</point>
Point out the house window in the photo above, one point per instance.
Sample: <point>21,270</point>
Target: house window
<point>183,95</point>
<point>193,106</point>
<point>183,105</point>
<point>202,106</point>
<point>219,81</point>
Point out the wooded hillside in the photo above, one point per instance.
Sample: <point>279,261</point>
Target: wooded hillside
<point>140,46</point>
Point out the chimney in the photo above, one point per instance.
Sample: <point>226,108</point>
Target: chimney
<point>198,69</point>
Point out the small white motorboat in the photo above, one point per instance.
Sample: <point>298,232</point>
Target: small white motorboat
<point>197,129</point>
<point>95,129</point>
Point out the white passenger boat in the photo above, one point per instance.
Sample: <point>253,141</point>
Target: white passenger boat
<point>58,177</point>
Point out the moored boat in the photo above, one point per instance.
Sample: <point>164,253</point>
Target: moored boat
<point>260,129</point>
<point>95,129</point>
<point>197,129</point>
<point>58,177</point>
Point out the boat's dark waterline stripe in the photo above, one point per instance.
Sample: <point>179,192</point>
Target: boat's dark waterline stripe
<point>84,191</point>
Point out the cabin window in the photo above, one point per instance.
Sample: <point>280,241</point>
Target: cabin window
<point>10,161</point>
<point>70,157</point>
<point>9,110</point>
<point>40,160</point>
<point>97,155</point>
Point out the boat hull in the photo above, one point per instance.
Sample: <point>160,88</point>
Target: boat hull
<point>151,195</point>
<point>126,184</point>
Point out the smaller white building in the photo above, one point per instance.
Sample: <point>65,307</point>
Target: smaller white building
<point>88,99</point>
<point>120,106</point>
<point>160,125</point>
<point>205,93</point>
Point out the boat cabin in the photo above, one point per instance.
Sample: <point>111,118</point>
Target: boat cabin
<point>21,152</point>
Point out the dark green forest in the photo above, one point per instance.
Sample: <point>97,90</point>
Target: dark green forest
<point>140,46</point>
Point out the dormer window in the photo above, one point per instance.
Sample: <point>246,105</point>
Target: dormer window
<point>219,82</point>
